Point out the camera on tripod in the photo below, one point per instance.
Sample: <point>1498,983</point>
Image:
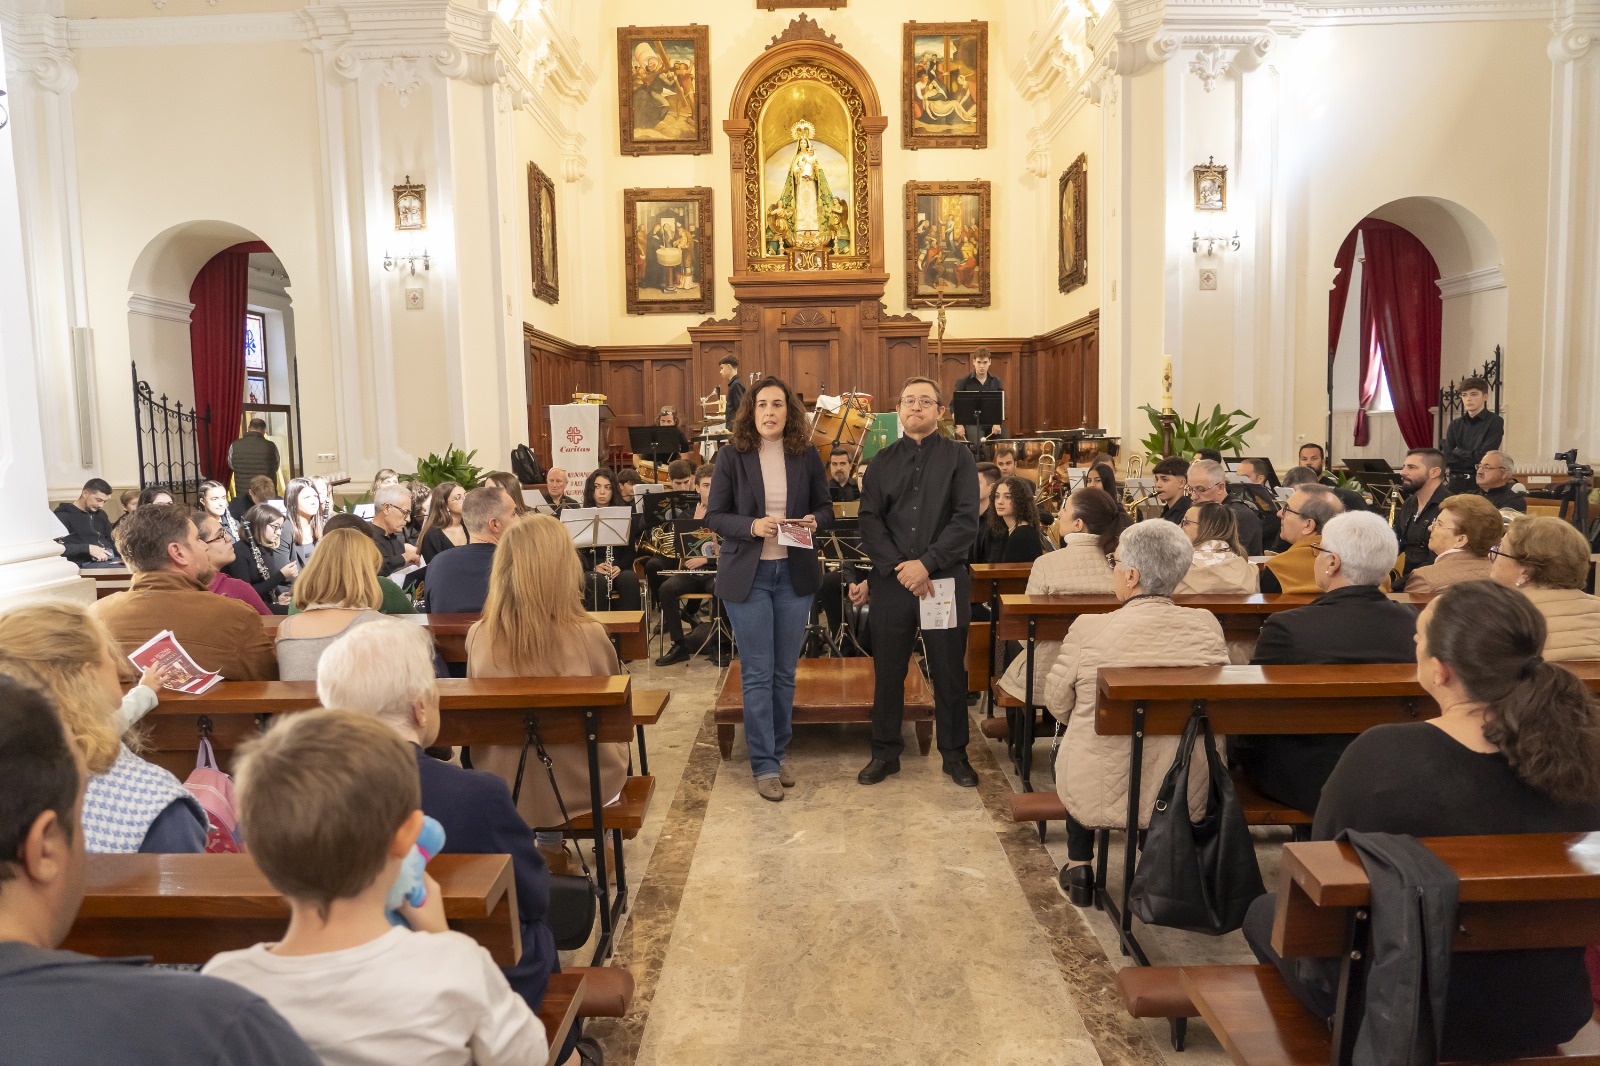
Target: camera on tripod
<point>1575,469</point>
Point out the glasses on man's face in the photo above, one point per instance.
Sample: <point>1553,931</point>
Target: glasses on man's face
<point>1486,466</point>
<point>919,403</point>
<point>214,540</point>
<point>1498,552</point>
<point>1200,490</point>
<point>1284,508</point>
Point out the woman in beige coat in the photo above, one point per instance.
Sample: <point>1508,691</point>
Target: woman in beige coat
<point>1219,564</point>
<point>1089,524</point>
<point>1460,539</point>
<point>1147,630</point>
<point>1548,560</point>
<point>534,625</point>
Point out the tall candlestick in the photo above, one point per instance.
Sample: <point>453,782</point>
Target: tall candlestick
<point>1166,384</point>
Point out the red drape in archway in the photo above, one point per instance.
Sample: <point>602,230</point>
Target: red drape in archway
<point>216,349</point>
<point>1398,279</point>
<point>1344,264</point>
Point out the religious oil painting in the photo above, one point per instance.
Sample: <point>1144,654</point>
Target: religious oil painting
<point>664,89</point>
<point>410,205</point>
<point>947,244</point>
<point>669,245</point>
<point>542,234</point>
<point>1210,186</point>
<point>1074,225</point>
<point>944,76</point>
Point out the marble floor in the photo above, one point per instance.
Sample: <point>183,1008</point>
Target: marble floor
<point>910,922</point>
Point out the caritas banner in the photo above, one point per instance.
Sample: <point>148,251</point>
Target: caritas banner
<point>575,442</point>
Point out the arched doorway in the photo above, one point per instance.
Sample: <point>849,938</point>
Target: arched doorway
<point>1388,395</point>
<point>219,276</point>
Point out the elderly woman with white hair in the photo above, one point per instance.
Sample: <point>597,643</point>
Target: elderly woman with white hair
<point>1147,630</point>
<point>385,669</point>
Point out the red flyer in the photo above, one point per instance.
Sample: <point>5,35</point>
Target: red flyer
<point>163,649</point>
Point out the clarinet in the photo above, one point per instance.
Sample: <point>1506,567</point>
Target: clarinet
<point>609,565</point>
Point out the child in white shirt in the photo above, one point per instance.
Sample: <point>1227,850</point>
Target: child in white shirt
<point>331,804</point>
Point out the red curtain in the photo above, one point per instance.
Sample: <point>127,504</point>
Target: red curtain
<point>1398,279</point>
<point>1344,263</point>
<point>1369,369</point>
<point>216,349</point>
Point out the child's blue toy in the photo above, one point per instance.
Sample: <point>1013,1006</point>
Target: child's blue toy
<point>409,887</point>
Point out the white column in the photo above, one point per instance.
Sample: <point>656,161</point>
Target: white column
<point>31,563</point>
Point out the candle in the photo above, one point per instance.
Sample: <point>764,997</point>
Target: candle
<point>1166,384</point>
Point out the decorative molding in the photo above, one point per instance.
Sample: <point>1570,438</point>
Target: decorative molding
<point>1571,45</point>
<point>39,47</point>
<point>243,28</point>
<point>803,29</point>
<point>155,307</point>
<point>1038,162</point>
<point>1208,64</point>
<point>1472,281</point>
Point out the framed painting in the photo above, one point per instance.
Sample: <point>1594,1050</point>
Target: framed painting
<point>944,77</point>
<point>542,234</point>
<point>947,243</point>
<point>664,89</point>
<point>669,251</point>
<point>410,205</point>
<point>1074,233</point>
<point>1210,186</point>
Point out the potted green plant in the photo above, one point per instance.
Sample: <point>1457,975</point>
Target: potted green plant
<point>454,465</point>
<point>1218,431</point>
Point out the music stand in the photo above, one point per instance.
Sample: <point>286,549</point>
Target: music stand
<point>657,503</point>
<point>596,528</point>
<point>975,408</point>
<point>1373,474</point>
<point>696,539</point>
<point>655,443</point>
<point>841,545</point>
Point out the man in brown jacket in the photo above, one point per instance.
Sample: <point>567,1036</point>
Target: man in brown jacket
<point>170,577</point>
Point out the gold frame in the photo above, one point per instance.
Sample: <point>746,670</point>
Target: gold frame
<point>705,268</point>
<point>627,38</point>
<point>1074,275</point>
<point>546,276</point>
<point>1211,169</point>
<point>980,189</point>
<point>909,135</point>
<point>421,193</point>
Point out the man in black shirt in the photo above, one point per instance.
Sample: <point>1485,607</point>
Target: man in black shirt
<point>1472,435</point>
<point>729,369</point>
<point>88,540</point>
<point>1208,483</point>
<point>980,380</point>
<point>1422,475</point>
<point>391,510</point>
<point>1493,475</point>
<point>1314,459</point>
<point>919,517</point>
<point>1172,483</point>
<point>841,486</point>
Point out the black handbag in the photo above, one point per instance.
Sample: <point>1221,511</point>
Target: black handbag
<point>1199,876</point>
<point>574,900</point>
<point>525,465</point>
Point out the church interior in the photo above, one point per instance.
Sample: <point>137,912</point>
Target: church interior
<point>446,229</point>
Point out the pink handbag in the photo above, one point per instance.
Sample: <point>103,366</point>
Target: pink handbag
<point>214,791</point>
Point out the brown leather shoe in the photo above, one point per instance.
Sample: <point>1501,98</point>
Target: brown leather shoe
<point>557,857</point>
<point>769,789</point>
<point>786,774</point>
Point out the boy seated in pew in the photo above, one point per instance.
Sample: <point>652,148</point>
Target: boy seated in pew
<point>331,804</point>
<point>63,1007</point>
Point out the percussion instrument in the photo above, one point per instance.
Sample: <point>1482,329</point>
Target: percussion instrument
<point>845,428</point>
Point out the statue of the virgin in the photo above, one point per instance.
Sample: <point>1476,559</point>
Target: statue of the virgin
<point>806,200</point>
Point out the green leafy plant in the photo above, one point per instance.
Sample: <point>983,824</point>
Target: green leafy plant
<point>1219,431</point>
<point>454,465</point>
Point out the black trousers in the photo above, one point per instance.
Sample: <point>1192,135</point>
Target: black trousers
<point>624,587</point>
<point>673,589</point>
<point>895,620</point>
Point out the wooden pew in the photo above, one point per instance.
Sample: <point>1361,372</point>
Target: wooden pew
<point>989,582</point>
<point>108,580</point>
<point>500,711</point>
<point>558,1012</point>
<point>1141,702</point>
<point>186,908</point>
<point>831,692</point>
<point>626,629</point>
<point>1516,892</point>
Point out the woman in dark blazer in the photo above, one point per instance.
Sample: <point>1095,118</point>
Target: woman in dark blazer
<point>769,472</point>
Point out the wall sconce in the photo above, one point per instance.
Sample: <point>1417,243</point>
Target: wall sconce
<point>1215,244</point>
<point>395,262</point>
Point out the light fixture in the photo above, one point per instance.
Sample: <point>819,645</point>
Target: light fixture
<point>1215,244</point>
<point>395,262</point>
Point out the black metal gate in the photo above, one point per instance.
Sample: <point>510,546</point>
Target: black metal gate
<point>171,441</point>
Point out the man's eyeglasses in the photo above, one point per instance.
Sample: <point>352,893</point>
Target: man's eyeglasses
<point>918,402</point>
<point>1284,508</point>
<point>221,536</point>
<point>1486,466</point>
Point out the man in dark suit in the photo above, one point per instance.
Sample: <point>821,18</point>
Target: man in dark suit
<point>1351,622</point>
<point>729,369</point>
<point>457,581</point>
<point>1208,483</point>
<point>1493,474</point>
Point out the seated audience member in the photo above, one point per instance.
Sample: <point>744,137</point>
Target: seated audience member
<point>395,599</point>
<point>612,586</point>
<point>1014,533</point>
<point>88,538</point>
<point>1220,564</point>
<point>677,586</point>
<point>443,529</point>
<point>339,589</point>
<point>140,1016</point>
<point>1090,524</point>
<point>303,530</point>
<point>458,581</point>
<point>1147,630</point>
<point>220,552</point>
<point>129,499</point>
<point>154,494</point>
<point>1422,476</point>
<point>171,590</point>
<point>507,483</point>
<point>391,510</point>
<point>130,805</point>
<point>1548,560</point>
<point>214,502</point>
<point>385,671</point>
<point>1301,519</point>
<point>1353,621</point>
<point>1208,483</point>
<point>1467,527</point>
<point>357,989</point>
<point>1171,477</point>
<point>262,559</point>
<point>1493,477</point>
<point>260,490</point>
<point>988,478</point>
<point>1515,749</point>
<point>841,487</point>
<point>534,625</point>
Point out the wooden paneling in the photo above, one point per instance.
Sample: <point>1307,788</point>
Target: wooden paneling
<point>555,370</point>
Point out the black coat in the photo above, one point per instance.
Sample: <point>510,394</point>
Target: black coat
<point>1355,624</point>
<point>739,497</point>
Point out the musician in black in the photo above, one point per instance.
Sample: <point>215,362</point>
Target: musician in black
<point>1314,459</point>
<point>841,486</point>
<point>668,418</point>
<point>919,518</point>
<point>674,586</point>
<point>608,572</point>
<point>729,369</point>
<point>980,380</point>
<point>659,535</point>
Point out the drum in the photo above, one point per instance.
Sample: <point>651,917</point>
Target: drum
<point>845,428</point>
<point>651,473</point>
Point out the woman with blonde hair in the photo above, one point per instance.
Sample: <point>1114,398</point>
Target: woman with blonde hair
<point>1548,561</point>
<point>534,625</point>
<point>1467,526</point>
<point>443,529</point>
<point>129,804</point>
<point>338,589</point>
<point>1220,564</point>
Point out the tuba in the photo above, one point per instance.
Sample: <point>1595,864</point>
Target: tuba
<point>1052,489</point>
<point>1131,502</point>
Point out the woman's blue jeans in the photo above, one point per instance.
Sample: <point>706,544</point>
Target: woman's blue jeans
<point>770,628</point>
